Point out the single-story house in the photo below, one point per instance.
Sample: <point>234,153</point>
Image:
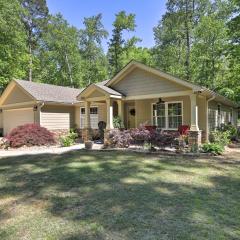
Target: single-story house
<point>131,94</point>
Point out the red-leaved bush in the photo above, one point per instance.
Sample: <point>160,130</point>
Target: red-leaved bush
<point>30,135</point>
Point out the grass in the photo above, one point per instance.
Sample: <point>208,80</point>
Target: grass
<point>116,195</point>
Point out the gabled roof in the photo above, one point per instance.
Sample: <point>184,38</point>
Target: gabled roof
<point>196,88</point>
<point>103,88</point>
<point>107,89</point>
<point>50,93</point>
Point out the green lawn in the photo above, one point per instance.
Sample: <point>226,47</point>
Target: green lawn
<point>116,195</point>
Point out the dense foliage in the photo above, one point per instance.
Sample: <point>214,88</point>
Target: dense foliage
<point>30,135</point>
<point>142,136</point>
<point>69,139</point>
<point>213,148</point>
<point>197,40</point>
<point>220,138</point>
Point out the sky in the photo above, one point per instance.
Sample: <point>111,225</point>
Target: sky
<point>148,13</point>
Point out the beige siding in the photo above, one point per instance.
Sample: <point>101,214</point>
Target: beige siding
<point>1,120</point>
<point>144,111</point>
<point>96,93</point>
<point>16,117</point>
<point>57,117</point>
<point>17,95</point>
<point>140,82</point>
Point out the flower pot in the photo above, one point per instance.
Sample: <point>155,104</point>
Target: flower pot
<point>88,145</point>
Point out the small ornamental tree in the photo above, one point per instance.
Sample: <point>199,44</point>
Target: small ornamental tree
<point>30,135</point>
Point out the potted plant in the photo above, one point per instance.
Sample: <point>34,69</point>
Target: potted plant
<point>118,123</point>
<point>88,144</point>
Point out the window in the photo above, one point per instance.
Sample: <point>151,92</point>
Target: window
<point>93,117</point>
<point>167,115</point>
<point>212,119</point>
<point>159,118</point>
<point>174,115</point>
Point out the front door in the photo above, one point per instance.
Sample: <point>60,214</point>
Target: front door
<point>131,116</point>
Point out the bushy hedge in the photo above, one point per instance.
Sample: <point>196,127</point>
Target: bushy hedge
<point>30,135</point>
<point>121,139</point>
<point>141,135</point>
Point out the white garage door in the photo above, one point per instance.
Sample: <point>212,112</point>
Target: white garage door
<point>16,117</point>
<point>55,121</point>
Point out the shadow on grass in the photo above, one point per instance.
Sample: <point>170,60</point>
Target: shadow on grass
<point>117,195</point>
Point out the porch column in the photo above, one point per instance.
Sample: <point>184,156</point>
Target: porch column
<point>121,109</point>
<point>195,135</point>
<point>194,113</point>
<point>87,114</point>
<point>86,133</point>
<point>109,114</point>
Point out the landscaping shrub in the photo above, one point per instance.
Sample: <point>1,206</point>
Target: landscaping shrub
<point>233,131</point>
<point>141,134</point>
<point>164,139</point>
<point>220,137</point>
<point>30,135</point>
<point>121,139</point>
<point>214,148</point>
<point>68,140</point>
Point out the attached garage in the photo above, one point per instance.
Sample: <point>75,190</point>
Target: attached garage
<point>16,117</point>
<point>53,107</point>
<point>55,121</point>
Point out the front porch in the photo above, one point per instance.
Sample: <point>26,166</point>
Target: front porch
<point>174,111</point>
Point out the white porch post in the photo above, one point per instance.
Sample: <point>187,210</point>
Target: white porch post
<point>121,109</point>
<point>87,115</point>
<point>109,114</point>
<point>194,113</point>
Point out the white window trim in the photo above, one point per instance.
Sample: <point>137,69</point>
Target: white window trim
<point>90,115</point>
<point>166,114</point>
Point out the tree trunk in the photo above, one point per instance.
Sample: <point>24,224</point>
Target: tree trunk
<point>69,70</point>
<point>188,47</point>
<point>30,63</point>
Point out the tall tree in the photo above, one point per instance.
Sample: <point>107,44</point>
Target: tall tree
<point>209,64</point>
<point>118,45</point>
<point>13,48</point>
<point>95,62</point>
<point>191,41</point>
<point>174,35</point>
<point>34,18</point>
<point>60,62</point>
<point>234,48</point>
<point>143,55</point>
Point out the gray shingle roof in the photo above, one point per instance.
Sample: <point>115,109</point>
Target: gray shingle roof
<point>107,89</point>
<point>50,93</point>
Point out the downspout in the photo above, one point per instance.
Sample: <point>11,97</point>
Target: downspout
<point>39,110</point>
<point>207,127</point>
